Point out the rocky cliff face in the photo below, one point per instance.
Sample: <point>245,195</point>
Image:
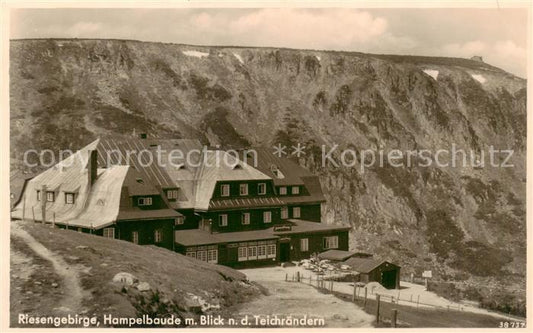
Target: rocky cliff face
<point>461,222</point>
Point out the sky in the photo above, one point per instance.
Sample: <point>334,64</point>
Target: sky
<point>498,35</point>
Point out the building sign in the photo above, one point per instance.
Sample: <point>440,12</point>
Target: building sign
<point>282,228</point>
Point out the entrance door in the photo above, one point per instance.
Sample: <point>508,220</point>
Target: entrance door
<point>284,252</point>
<point>388,279</point>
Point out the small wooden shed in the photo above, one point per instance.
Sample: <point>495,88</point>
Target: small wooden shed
<point>383,272</point>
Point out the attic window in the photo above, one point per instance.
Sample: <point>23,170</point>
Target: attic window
<point>140,180</point>
<point>237,166</point>
<point>180,166</point>
<point>276,172</point>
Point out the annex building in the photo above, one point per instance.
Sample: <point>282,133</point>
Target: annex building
<point>258,209</point>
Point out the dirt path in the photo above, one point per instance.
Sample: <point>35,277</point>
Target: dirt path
<point>72,290</point>
<point>298,300</point>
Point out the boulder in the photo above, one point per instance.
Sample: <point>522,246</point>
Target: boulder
<point>125,278</point>
<point>143,286</point>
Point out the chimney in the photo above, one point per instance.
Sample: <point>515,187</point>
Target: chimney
<point>92,165</point>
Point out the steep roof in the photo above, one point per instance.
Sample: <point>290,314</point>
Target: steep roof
<point>289,173</point>
<point>221,166</point>
<point>366,265</point>
<point>95,206</point>
<point>134,152</point>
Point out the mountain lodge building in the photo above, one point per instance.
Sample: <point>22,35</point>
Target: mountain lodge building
<point>235,214</point>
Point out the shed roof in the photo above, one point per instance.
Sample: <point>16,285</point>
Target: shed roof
<point>337,255</point>
<point>146,214</point>
<point>194,237</point>
<point>366,265</point>
<point>302,226</point>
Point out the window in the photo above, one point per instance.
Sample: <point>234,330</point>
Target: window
<point>212,256</point>
<point>147,201</point>
<point>296,212</point>
<point>109,232</point>
<point>223,220</point>
<point>50,196</point>
<point>243,255</point>
<point>172,194</point>
<point>243,189</point>
<point>261,188</point>
<point>282,190</point>
<point>296,190</point>
<point>135,237</point>
<point>284,212</point>
<point>304,244</point>
<point>245,218</point>
<point>267,217</point>
<point>252,252</point>
<point>158,236</point>
<point>331,242</point>
<point>38,195</point>
<point>191,254</point>
<point>261,252</point>
<point>224,190</point>
<point>271,251</point>
<point>69,198</point>
<point>201,255</point>
<point>179,220</point>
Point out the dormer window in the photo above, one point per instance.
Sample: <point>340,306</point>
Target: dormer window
<point>172,194</point>
<point>295,190</point>
<point>261,188</point>
<point>243,189</point>
<point>69,198</point>
<point>276,172</point>
<point>282,190</point>
<point>146,201</point>
<point>224,190</point>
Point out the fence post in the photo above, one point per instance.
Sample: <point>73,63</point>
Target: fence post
<point>366,293</point>
<point>33,213</point>
<point>394,317</point>
<point>286,276</point>
<point>377,307</point>
<point>417,301</point>
<point>54,221</point>
<point>353,296</point>
<point>297,276</point>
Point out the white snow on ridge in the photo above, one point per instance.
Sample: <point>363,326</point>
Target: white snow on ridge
<point>431,72</point>
<point>196,54</point>
<point>479,78</point>
<point>317,58</point>
<point>238,58</point>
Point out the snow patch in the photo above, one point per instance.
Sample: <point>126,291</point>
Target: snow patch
<point>433,73</point>
<point>317,58</point>
<point>239,58</point>
<point>196,54</point>
<point>479,78</point>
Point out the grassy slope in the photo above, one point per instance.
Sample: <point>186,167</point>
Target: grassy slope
<point>175,277</point>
